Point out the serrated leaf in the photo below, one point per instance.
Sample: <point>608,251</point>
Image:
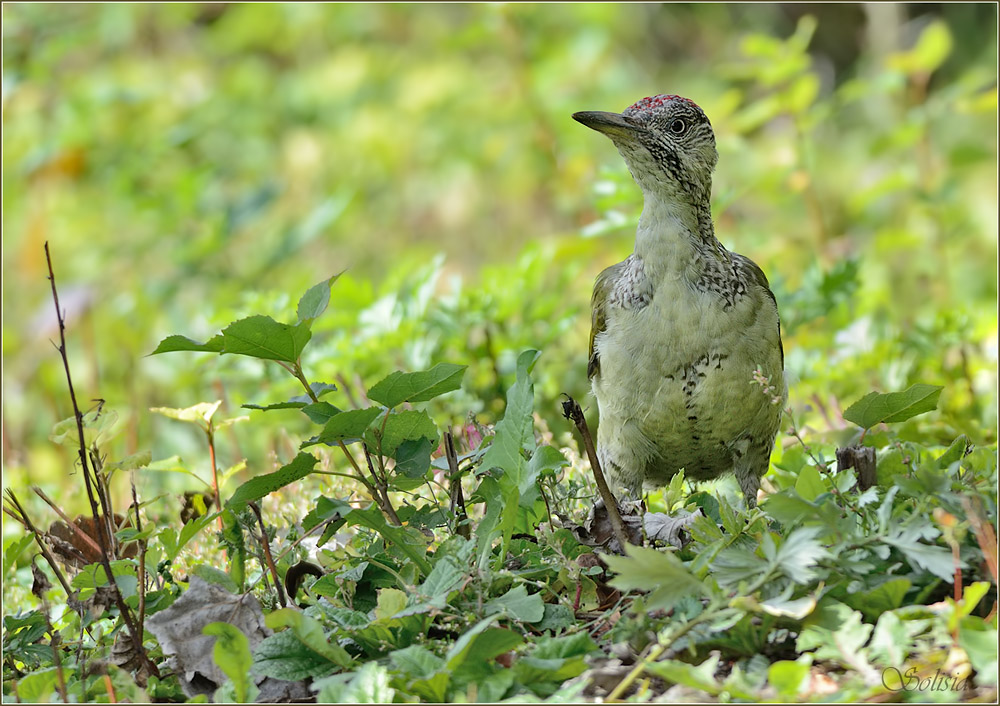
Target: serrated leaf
<point>413,457</point>
<point>371,518</point>
<point>321,412</point>
<point>421,386</point>
<point>172,344</point>
<point>664,573</point>
<point>799,553</point>
<point>263,337</point>
<point>315,300</point>
<point>399,427</point>
<point>256,488</point>
<point>879,600</point>
<point>518,605</point>
<point>349,425</point>
<point>875,408</point>
<point>283,656</point>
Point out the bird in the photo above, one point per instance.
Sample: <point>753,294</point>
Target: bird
<point>685,361</point>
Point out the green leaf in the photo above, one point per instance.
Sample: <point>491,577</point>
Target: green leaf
<point>981,646</point>
<point>700,677</point>
<point>836,633</point>
<point>369,685</point>
<point>284,656</point>
<point>399,427</point>
<point>958,450</point>
<point>13,549</point>
<point>38,687</point>
<point>659,571</point>
<point>799,553</point>
<point>515,431</point>
<point>809,484</point>
<point>481,643</point>
<point>937,560</point>
<point>517,604</point>
<point>514,434</point>
<point>416,661</point>
<point>321,412</point>
<point>789,678</point>
<point>216,576</point>
<point>263,337</point>
<point>232,654</point>
<point>371,518</point>
<point>315,300</point>
<point>489,527</point>
<point>346,426</point>
<point>391,601</point>
<point>175,343</point>
<point>309,632</point>
<point>256,488</point>
<point>875,408</point>
<point>888,596</point>
<point>402,387</point>
<point>413,457</point>
<point>200,413</point>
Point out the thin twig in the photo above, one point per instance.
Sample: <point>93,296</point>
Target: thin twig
<point>266,545</point>
<point>123,610</point>
<point>455,488</point>
<point>84,537</point>
<point>573,412</point>
<point>383,497</point>
<point>21,516</point>
<point>142,556</point>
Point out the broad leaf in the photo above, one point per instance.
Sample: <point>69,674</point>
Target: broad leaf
<point>875,408</point>
<point>256,488</point>
<point>400,427</point>
<point>397,536</point>
<point>232,655</point>
<point>413,457</point>
<point>174,343</point>
<point>309,632</point>
<point>517,604</point>
<point>263,337</point>
<point>346,426</point>
<point>315,300</point>
<point>284,656</point>
<point>402,387</point>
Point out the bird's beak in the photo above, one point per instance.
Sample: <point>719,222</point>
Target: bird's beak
<point>611,124</point>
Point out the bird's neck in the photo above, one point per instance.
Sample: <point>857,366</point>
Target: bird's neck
<point>675,234</point>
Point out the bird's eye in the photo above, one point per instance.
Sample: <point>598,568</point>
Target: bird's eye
<point>678,127</point>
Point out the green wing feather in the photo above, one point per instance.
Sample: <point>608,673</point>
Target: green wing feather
<point>598,312</point>
<point>753,273</point>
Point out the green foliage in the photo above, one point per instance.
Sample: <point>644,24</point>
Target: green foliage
<point>430,149</point>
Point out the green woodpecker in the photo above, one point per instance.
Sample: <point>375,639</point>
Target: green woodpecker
<point>686,360</point>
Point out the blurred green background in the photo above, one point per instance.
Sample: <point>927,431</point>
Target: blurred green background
<point>193,164</point>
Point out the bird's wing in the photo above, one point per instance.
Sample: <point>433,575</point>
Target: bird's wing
<point>598,309</point>
<point>753,273</point>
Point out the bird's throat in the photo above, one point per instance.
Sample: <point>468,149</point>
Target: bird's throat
<point>672,234</point>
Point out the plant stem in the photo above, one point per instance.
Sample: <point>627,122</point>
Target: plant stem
<point>126,615</point>
<point>573,412</point>
<point>266,546</point>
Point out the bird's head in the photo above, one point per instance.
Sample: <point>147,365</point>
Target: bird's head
<point>667,142</point>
